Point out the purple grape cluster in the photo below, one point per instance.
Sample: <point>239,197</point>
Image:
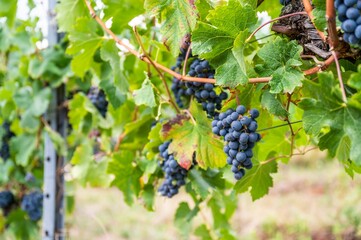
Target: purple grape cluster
<point>349,15</point>
<point>6,199</point>
<point>97,97</point>
<point>204,93</point>
<point>175,175</point>
<point>239,133</point>
<point>5,140</point>
<point>32,204</point>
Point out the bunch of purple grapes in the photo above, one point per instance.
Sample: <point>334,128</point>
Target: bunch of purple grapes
<point>349,15</point>
<point>175,175</point>
<point>239,133</point>
<point>204,93</point>
<point>97,97</point>
<point>5,140</point>
<point>6,199</point>
<point>32,204</point>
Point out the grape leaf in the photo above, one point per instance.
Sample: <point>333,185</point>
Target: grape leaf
<point>127,176</point>
<point>8,10</point>
<point>258,179</point>
<point>179,19</point>
<point>205,182</point>
<point>189,137</point>
<point>184,216</point>
<point>23,145</point>
<point>154,141</point>
<point>121,12</point>
<point>332,120</point>
<point>281,61</point>
<point>222,41</point>
<point>319,12</point>
<point>355,79</point>
<point>117,87</point>
<point>273,104</point>
<point>145,95</point>
<point>84,42</point>
<point>67,13</point>
<point>87,170</point>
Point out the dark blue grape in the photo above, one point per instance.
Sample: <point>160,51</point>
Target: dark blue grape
<point>349,26</point>
<point>252,126</point>
<point>342,9</point>
<point>254,113</point>
<point>358,32</point>
<point>350,3</point>
<point>353,39</point>
<point>238,175</point>
<point>353,13</point>
<point>241,156</point>
<point>236,125</point>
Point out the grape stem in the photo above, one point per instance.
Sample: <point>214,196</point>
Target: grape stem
<point>334,42</point>
<point>318,62</point>
<point>339,76</point>
<point>331,24</point>
<point>288,156</point>
<point>190,115</point>
<point>274,20</point>
<point>186,60</point>
<point>277,126</point>
<point>170,99</point>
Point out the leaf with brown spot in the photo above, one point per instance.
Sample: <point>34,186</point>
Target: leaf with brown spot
<point>189,137</point>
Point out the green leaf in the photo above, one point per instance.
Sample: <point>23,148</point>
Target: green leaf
<point>184,216</point>
<point>258,179</point>
<point>222,41</point>
<point>189,137</point>
<point>8,10</point>
<point>23,146</point>
<point>57,140</point>
<point>84,41</point>
<point>273,104</point>
<point>67,13</point>
<point>87,170</point>
<point>121,12</point>
<point>149,197</point>
<point>145,95</point>
<point>355,79</point>
<point>117,87</point>
<point>205,182</point>
<point>154,141</point>
<point>319,12</point>
<point>179,18</point>
<point>202,232</point>
<point>332,120</point>
<point>281,61</point>
<point>127,176</point>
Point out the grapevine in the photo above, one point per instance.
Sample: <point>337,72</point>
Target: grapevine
<point>291,74</point>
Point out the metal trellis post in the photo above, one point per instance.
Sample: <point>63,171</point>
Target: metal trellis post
<point>54,188</point>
